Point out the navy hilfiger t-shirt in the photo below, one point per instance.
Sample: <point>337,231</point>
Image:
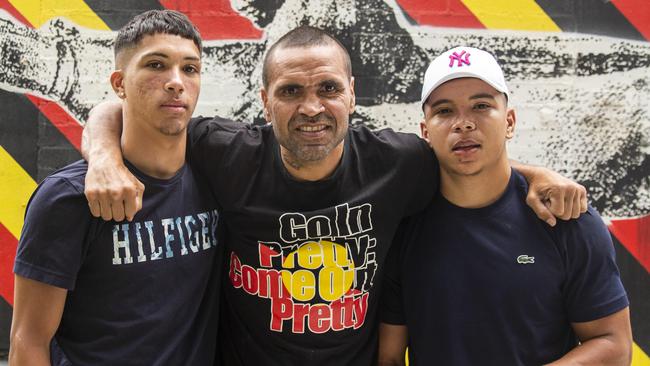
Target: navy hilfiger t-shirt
<point>140,292</point>
<point>496,285</point>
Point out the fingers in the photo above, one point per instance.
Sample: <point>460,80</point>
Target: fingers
<point>583,200</point>
<point>568,202</point>
<point>117,205</point>
<point>133,201</point>
<point>113,193</point>
<point>94,206</point>
<point>541,210</point>
<point>557,203</point>
<point>105,207</point>
<point>575,209</point>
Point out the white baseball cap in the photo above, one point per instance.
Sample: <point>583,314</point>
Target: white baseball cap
<point>463,62</point>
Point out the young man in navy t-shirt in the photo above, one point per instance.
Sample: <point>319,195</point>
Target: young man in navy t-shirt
<point>478,279</point>
<point>144,292</point>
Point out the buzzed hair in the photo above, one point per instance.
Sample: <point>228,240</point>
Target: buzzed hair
<point>303,37</point>
<point>155,22</point>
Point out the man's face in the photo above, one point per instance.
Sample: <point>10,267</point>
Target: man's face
<point>308,101</point>
<point>161,82</point>
<point>466,122</point>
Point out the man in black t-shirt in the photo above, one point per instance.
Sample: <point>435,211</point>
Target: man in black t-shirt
<point>477,278</point>
<point>310,207</point>
<point>145,292</point>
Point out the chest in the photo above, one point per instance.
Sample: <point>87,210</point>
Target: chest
<point>487,266</point>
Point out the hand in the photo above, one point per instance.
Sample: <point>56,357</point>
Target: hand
<point>551,195</point>
<point>112,191</point>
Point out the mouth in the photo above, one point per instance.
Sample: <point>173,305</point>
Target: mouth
<point>312,128</point>
<point>174,106</point>
<point>465,146</point>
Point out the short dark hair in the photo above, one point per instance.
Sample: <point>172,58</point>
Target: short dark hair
<point>302,37</point>
<point>154,22</point>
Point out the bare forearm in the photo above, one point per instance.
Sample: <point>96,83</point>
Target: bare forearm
<point>599,351</point>
<point>401,362</point>
<point>528,171</point>
<point>393,340</point>
<point>101,135</point>
<point>112,191</point>
<point>27,353</point>
<point>32,324</point>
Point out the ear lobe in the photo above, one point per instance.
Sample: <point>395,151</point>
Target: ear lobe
<point>423,131</point>
<point>511,120</point>
<point>353,102</point>
<point>265,100</point>
<point>117,83</point>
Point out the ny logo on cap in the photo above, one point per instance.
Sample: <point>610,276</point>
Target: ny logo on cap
<point>462,58</point>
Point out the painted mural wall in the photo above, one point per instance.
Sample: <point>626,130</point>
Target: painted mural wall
<point>579,72</point>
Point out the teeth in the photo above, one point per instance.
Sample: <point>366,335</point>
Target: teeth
<point>311,128</point>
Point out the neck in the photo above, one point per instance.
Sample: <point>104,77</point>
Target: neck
<point>475,191</point>
<point>312,171</point>
<point>153,153</point>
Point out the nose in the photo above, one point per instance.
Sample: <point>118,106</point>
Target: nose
<point>311,105</point>
<point>464,124</point>
<point>174,82</point>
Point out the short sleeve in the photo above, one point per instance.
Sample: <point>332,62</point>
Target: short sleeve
<point>426,186</point>
<point>593,288</point>
<point>198,132</point>
<point>391,300</point>
<point>213,143</point>
<point>55,234</point>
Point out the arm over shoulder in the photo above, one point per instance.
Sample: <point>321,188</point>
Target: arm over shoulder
<point>419,168</point>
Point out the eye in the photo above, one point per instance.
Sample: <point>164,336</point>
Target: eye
<point>191,69</point>
<point>443,111</point>
<point>481,106</point>
<point>329,88</point>
<point>289,91</point>
<point>156,65</point>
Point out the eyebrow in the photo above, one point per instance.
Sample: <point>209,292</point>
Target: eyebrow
<point>475,96</point>
<point>289,85</point>
<point>335,82</point>
<point>163,55</point>
<point>482,95</point>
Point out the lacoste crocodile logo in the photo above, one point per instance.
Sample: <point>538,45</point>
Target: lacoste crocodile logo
<point>524,259</point>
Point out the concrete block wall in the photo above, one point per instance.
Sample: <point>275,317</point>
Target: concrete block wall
<point>579,71</point>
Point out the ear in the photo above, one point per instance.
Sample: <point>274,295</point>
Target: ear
<point>353,101</point>
<point>423,131</point>
<point>265,101</point>
<point>117,82</point>
<point>511,121</point>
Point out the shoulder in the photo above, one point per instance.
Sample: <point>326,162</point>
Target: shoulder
<point>388,142</point>
<point>589,227</point>
<point>388,138</point>
<point>66,182</point>
<point>55,229</point>
<point>223,128</point>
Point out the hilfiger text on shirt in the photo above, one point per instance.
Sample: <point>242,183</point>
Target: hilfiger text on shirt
<point>137,242</point>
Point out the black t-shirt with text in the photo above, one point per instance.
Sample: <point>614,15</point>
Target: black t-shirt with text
<point>305,260</point>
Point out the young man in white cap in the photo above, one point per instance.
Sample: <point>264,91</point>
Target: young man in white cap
<point>478,279</point>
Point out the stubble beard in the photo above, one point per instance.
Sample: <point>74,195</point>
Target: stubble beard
<point>298,154</point>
